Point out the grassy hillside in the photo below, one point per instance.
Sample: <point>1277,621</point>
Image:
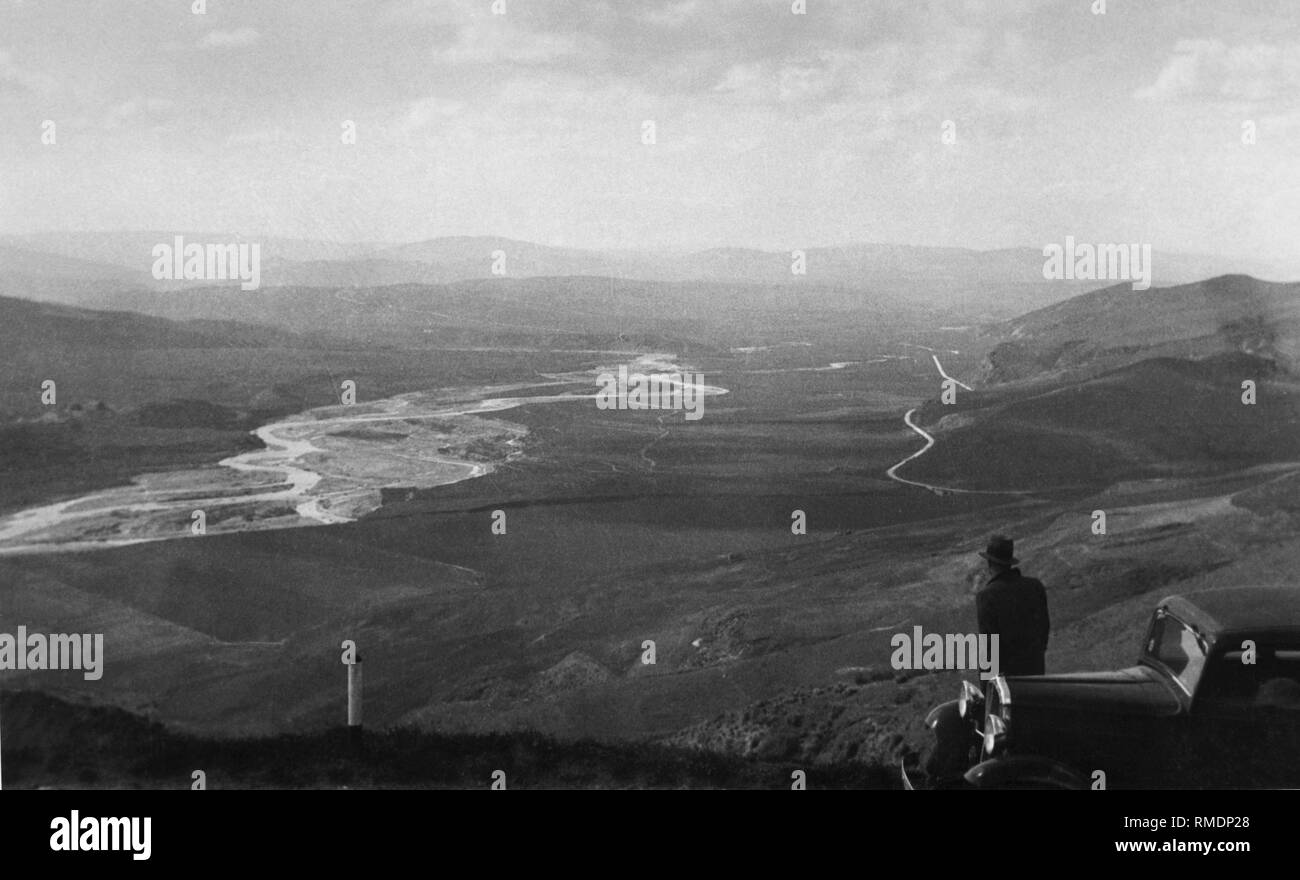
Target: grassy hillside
<point>1118,325</point>
<point>49,742</point>
<point>1160,416</point>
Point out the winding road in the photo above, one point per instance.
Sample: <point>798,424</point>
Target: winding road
<point>929,441</point>
<point>944,373</point>
<point>892,473</point>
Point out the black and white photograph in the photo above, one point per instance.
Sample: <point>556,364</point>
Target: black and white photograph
<point>896,395</point>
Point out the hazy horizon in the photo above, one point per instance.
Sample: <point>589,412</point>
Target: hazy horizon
<point>685,248</point>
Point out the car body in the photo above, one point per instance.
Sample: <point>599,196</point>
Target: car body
<point>1212,702</point>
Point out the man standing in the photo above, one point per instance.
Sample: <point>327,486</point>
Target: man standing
<point>1014,607</point>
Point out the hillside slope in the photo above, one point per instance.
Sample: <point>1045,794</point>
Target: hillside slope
<point>1109,328</point>
<point>1157,417</point>
<point>51,742</point>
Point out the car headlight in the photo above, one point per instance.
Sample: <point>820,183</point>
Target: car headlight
<point>995,735</point>
<point>1002,699</point>
<point>969,700</point>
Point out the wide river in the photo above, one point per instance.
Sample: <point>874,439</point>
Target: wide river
<point>318,468</point>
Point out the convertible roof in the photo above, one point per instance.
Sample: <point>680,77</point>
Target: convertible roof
<point>1239,609</point>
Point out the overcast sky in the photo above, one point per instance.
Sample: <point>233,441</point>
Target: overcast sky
<point>773,130</point>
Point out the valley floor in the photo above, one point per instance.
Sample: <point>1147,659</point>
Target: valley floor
<point>626,535</point>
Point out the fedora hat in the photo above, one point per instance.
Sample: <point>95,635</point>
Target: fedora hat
<point>1001,550</point>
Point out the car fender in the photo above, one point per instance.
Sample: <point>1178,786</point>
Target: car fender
<point>954,740</point>
<point>1024,771</point>
<point>948,713</point>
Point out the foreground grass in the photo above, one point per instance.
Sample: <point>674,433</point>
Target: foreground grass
<point>50,742</point>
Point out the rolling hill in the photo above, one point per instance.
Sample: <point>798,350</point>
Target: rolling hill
<point>28,328</point>
<point>552,310</point>
<point>1119,384</point>
<point>1156,417</point>
<point>1108,328</point>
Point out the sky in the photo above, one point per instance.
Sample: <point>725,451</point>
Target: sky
<point>772,129</point>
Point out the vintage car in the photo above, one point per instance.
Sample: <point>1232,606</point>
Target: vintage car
<point>1213,702</point>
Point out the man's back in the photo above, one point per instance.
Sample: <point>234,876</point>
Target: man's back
<point>1015,607</point>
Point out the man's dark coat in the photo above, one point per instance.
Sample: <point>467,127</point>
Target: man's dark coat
<point>1015,607</point>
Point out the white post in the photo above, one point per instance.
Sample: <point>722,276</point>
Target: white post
<point>354,700</point>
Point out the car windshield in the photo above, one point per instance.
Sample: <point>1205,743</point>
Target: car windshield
<point>1176,645</point>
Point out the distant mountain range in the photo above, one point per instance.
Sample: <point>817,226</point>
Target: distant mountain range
<point>77,267</point>
<point>368,291</point>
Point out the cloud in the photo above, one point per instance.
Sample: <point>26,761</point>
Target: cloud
<point>16,80</point>
<point>1213,69</point>
<point>802,81</point>
<point>245,36</point>
<point>496,42</point>
<point>405,13</point>
<point>423,112</point>
<point>259,138</point>
<point>1181,74</point>
<point>672,15</point>
<point>136,110</point>
<point>741,78</point>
